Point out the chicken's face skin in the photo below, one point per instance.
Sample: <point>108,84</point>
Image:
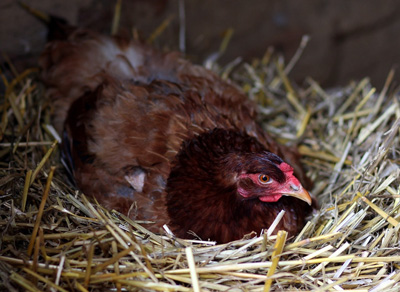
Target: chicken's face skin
<point>219,194</point>
<point>270,184</point>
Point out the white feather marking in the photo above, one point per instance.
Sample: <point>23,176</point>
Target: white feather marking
<point>136,179</point>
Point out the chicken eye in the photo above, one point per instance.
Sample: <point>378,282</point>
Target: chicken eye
<point>264,179</point>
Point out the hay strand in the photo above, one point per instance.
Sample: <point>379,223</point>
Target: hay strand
<point>278,248</point>
<point>40,211</point>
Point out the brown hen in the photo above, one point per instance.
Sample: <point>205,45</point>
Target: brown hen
<point>160,139</point>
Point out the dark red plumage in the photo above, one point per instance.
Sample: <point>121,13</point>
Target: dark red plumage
<point>152,129</point>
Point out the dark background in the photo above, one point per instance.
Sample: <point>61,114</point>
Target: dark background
<point>349,39</point>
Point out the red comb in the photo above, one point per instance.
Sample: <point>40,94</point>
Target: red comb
<point>285,167</point>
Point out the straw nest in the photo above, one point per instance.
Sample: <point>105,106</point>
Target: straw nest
<point>54,239</point>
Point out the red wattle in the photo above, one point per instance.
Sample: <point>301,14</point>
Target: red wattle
<point>270,198</point>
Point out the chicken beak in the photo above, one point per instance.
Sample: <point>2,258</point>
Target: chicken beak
<point>299,193</point>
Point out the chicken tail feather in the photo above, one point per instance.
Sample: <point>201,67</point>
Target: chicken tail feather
<point>58,28</point>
